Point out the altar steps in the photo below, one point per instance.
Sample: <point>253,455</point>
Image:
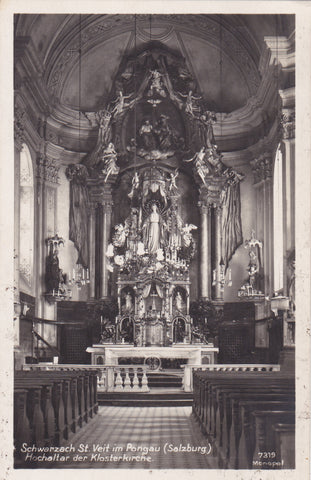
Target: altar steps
<point>164,380</point>
<point>150,399</point>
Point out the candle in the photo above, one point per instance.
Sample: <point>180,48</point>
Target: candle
<point>82,273</point>
<point>214,275</point>
<point>229,274</point>
<point>73,274</point>
<point>87,274</point>
<point>101,319</point>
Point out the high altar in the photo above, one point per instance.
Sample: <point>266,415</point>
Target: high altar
<point>164,211</point>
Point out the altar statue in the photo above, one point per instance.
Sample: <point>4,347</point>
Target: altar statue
<point>179,302</point>
<point>189,106</point>
<point>186,233</point>
<point>121,105</point>
<point>147,135</point>
<point>103,118</point>
<point>153,230</point>
<point>165,135</point>
<point>128,302</point>
<point>109,159</point>
<point>135,185</point>
<point>207,119</point>
<point>156,83</point>
<point>200,164</point>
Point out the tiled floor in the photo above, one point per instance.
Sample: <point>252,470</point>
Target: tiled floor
<point>159,431</point>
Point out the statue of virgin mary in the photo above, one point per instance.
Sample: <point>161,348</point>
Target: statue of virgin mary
<point>153,230</point>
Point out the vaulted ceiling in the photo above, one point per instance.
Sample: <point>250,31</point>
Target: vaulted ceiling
<point>79,56</point>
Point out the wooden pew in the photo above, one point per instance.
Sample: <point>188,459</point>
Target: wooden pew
<point>207,412</point>
<point>243,434</point>
<point>264,422</point>
<point>231,401</point>
<point>50,405</point>
<point>218,402</point>
<point>48,428</point>
<point>285,444</point>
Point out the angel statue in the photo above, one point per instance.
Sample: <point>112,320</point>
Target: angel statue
<point>200,164</point>
<point>207,119</point>
<point>121,105</point>
<point>189,106</point>
<point>109,159</point>
<point>135,185</point>
<point>120,235</point>
<point>102,120</point>
<point>186,233</point>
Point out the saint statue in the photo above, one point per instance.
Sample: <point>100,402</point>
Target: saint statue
<point>179,302</point>
<point>128,302</point>
<point>153,230</point>
<point>147,135</point>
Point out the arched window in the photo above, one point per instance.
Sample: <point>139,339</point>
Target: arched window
<point>26,229</point>
<point>278,221</point>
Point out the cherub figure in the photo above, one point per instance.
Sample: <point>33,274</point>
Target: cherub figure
<point>173,176</point>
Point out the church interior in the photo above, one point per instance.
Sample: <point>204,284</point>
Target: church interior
<point>155,228</point>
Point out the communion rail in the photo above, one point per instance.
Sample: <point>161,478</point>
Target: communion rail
<point>133,378</point>
<point>110,378</point>
<point>188,370</point>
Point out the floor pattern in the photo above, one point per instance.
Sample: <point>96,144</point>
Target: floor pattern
<point>141,437</point>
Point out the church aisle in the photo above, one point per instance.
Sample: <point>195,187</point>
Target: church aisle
<point>163,429</point>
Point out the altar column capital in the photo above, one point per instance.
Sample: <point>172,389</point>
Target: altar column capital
<point>288,123</point>
<point>262,167</point>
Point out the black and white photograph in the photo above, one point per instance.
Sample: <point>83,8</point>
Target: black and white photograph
<point>155,242</point>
